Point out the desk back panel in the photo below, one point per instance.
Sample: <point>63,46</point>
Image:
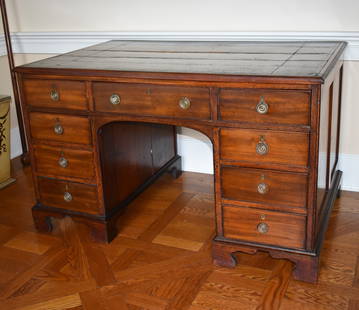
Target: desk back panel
<point>131,153</point>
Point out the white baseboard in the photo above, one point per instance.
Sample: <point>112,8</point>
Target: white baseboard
<point>61,42</point>
<point>349,164</point>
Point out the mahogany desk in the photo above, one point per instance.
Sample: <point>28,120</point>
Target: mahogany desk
<point>101,127</point>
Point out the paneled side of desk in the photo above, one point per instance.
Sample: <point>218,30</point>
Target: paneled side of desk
<point>99,137</point>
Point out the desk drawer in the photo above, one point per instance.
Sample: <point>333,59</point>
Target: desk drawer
<point>54,161</point>
<point>265,106</point>
<point>262,226</point>
<point>60,128</point>
<point>265,146</point>
<point>68,195</point>
<point>148,99</point>
<point>264,186</point>
<point>55,94</point>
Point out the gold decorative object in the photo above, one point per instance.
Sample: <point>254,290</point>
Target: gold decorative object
<point>54,95</point>
<point>115,99</point>
<point>263,228</point>
<point>262,147</point>
<point>262,188</point>
<point>5,178</point>
<point>262,107</point>
<point>184,103</point>
<point>67,197</point>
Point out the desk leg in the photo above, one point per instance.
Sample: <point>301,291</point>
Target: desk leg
<point>305,267</point>
<point>175,169</point>
<point>101,230</point>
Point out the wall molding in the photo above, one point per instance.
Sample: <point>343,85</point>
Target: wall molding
<point>62,42</point>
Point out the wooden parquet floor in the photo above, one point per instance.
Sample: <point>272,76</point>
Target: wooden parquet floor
<point>161,258</point>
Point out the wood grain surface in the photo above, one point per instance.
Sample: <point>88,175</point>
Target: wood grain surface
<point>284,107</point>
<point>283,230</point>
<point>71,94</point>
<point>130,154</point>
<point>84,197</point>
<point>79,162</point>
<point>281,188</point>
<point>76,129</point>
<point>285,148</point>
<point>147,99</point>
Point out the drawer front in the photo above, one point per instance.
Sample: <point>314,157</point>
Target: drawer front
<point>54,161</point>
<point>60,128</point>
<point>265,106</point>
<point>262,226</point>
<point>145,99</point>
<point>68,195</point>
<point>55,94</point>
<point>264,186</point>
<point>264,146</point>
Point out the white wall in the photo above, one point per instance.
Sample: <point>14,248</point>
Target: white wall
<point>184,15</point>
<point>350,109</point>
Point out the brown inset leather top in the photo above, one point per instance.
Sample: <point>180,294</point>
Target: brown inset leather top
<point>275,59</point>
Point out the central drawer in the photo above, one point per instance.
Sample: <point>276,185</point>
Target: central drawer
<point>54,161</point>
<point>148,99</point>
<point>265,146</point>
<point>262,226</point>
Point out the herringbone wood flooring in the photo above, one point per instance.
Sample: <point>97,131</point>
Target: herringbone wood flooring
<point>161,258</point>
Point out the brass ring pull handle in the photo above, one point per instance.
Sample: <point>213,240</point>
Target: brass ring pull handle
<point>262,228</point>
<point>262,107</point>
<point>63,162</point>
<point>58,129</point>
<point>262,147</point>
<point>67,197</point>
<point>262,188</point>
<point>184,103</point>
<point>54,95</point>
<point>115,99</point>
